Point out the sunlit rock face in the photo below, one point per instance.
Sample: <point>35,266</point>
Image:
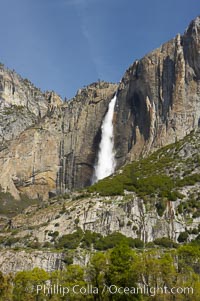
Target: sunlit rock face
<point>49,146</point>
<point>159,97</point>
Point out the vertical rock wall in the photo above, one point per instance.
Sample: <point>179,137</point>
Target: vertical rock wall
<point>81,134</point>
<point>159,97</point>
<point>57,151</point>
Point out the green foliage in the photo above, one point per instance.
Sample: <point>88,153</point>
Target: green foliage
<point>196,214</point>
<point>47,244</point>
<point>191,206</point>
<point>25,284</point>
<point>76,221</point>
<point>90,238</point>
<point>11,207</point>
<point>108,187</point>
<point>114,239</point>
<point>197,239</point>
<point>188,180</point>
<point>11,241</point>
<point>97,271</point>
<point>189,258</point>
<point>161,206</point>
<point>174,195</point>
<point>109,242</point>
<point>129,223</point>
<point>70,241</point>
<point>194,231</point>
<point>68,259</point>
<point>135,243</point>
<point>180,208</point>
<point>54,235</point>
<point>183,236</point>
<point>121,271</point>
<point>165,242</point>
<point>122,267</point>
<point>156,183</point>
<point>159,175</point>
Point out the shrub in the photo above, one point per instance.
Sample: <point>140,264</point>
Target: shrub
<point>135,243</point>
<point>47,244</point>
<point>90,238</point>
<point>134,228</point>
<point>10,206</point>
<point>183,236</point>
<point>196,214</point>
<point>76,221</point>
<point>129,223</point>
<point>55,234</point>
<point>195,231</point>
<point>180,208</point>
<point>165,242</point>
<point>108,187</point>
<point>161,206</point>
<point>109,242</point>
<point>68,259</point>
<point>11,241</point>
<point>112,240</point>
<point>70,241</point>
<point>198,238</point>
<point>189,180</point>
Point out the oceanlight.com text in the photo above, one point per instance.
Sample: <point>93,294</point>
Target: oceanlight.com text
<point>112,289</point>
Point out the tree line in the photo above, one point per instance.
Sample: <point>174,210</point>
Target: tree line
<point>121,273</point>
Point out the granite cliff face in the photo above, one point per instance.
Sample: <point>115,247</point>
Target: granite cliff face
<point>22,108</point>
<point>159,97</point>
<point>13,262</point>
<point>49,147</point>
<point>80,135</point>
<point>21,104</point>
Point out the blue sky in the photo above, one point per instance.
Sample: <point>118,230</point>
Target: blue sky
<point>62,45</point>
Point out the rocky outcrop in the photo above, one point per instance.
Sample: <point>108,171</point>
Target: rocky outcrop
<point>30,164</point>
<point>16,261</point>
<point>22,143</point>
<point>129,215</point>
<point>21,104</point>
<point>159,97</point>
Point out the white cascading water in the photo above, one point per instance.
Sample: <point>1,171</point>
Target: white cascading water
<point>105,165</point>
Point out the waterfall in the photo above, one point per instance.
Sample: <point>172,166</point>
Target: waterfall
<point>105,165</point>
